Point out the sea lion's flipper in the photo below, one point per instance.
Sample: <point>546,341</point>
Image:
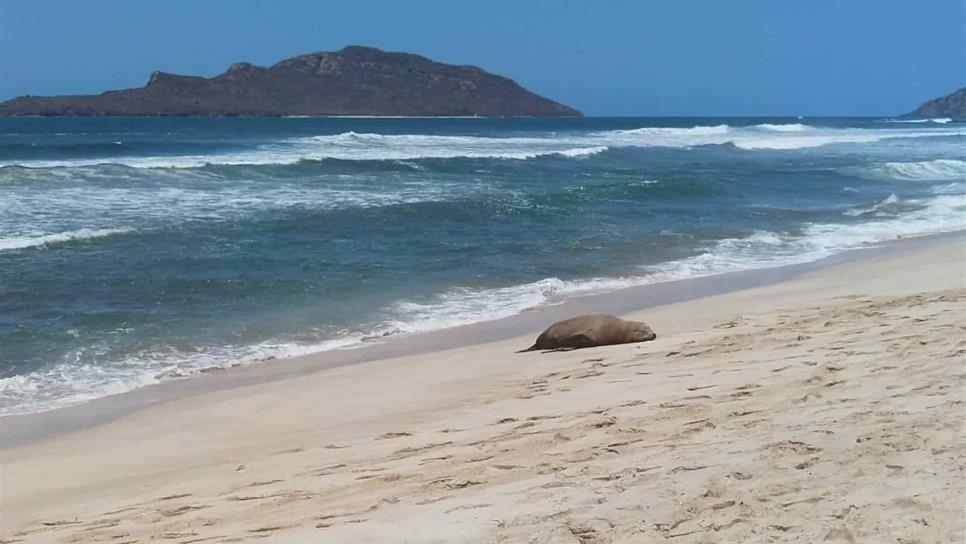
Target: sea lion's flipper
<point>531,348</point>
<point>583,341</point>
<point>578,341</point>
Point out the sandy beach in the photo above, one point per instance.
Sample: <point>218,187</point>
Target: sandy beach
<point>828,407</point>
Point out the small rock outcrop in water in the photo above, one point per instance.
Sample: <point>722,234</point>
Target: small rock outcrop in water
<point>353,81</point>
<point>953,105</point>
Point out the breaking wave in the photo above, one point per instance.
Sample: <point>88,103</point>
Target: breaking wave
<point>937,120</point>
<point>352,146</point>
<point>934,170</point>
<point>792,127</point>
<point>884,206</point>
<point>319,191</point>
<point>66,384</point>
<point>42,240</point>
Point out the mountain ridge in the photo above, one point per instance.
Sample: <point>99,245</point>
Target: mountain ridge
<point>355,80</point>
<point>952,105</point>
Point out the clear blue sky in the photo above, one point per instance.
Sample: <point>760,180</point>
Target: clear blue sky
<point>686,57</point>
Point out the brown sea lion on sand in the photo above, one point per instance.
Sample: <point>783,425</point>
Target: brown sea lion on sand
<point>587,331</point>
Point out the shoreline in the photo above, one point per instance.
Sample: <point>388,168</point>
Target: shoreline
<point>826,407</point>
<point>24,429</point>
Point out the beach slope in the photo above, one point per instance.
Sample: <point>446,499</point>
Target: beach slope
<point>825,408</point>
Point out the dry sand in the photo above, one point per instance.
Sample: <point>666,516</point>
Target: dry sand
<point>825,408</point>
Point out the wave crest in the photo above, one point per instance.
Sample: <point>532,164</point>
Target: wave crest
<point>934,170</point>
<point>354,146</point>
<point>791,127</point>
<point>937,120</point>
<point>67,384</point>
<point>27,241</point>
<point>883,207</point>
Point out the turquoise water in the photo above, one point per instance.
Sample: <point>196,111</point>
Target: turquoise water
<point>138,250</point>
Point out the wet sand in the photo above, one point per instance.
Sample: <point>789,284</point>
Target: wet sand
<point>828,406</point>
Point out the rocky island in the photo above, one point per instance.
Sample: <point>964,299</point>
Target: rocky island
<point>953,105</point>
<point>353,81</point>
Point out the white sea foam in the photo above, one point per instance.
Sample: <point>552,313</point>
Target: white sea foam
<point>950,189</point>
<point>467,306</point>
<point>203,195</point>
<point>354,146</point>
<point>791,127</point>
<point>24,241</point>
<point>934,170</point>
<point>946,213</point>
<point>583,151</point>
<point>938,120</point>
<point>141,204</point>
<point>761,249</point>
<point>762,137</point>
<point>874,208</point>
<point>70,383</point>
<point>673,132</point>
<point>769,249</point>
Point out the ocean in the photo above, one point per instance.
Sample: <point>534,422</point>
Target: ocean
<point>134,251</point>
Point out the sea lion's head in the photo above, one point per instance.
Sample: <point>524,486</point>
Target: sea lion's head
<point>640,332</point>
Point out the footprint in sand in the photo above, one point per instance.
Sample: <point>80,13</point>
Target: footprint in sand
<point>469,507</point>
<point>174,512</point>
<point>266,482</point>
<point>389,435</point>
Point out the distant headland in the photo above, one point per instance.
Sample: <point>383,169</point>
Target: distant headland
<point>353,81</point>
<point>953,106</point>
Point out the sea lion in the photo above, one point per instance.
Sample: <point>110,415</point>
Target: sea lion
<point>587,331</point>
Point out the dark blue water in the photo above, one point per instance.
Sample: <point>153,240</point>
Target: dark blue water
<point>136,250</point>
